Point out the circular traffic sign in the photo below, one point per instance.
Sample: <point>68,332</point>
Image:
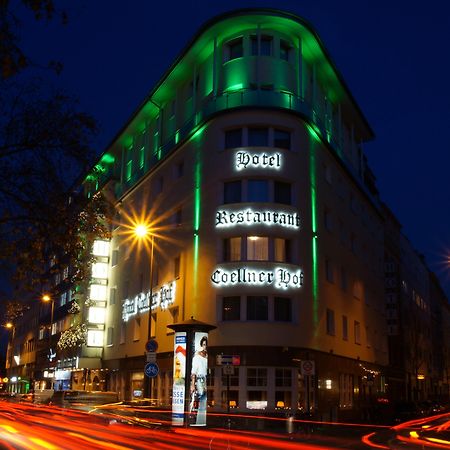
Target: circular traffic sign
<point>151,345</point>
<point>151,369</point>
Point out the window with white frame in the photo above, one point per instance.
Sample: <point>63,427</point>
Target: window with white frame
<point>100,248</point>
<point>100,270</point>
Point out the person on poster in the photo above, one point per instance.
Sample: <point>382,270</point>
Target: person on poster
<point>198,381</point>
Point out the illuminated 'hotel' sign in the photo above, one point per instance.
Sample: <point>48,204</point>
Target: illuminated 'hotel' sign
<point>250,216</point>
<point>245,160</point>
<point>278,277</point>
<point>163,297</point>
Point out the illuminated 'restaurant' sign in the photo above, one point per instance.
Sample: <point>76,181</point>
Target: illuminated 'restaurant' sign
<point>252,216</point>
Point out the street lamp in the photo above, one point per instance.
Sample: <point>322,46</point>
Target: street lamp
<point>143,231</point>
<point>46,298</point>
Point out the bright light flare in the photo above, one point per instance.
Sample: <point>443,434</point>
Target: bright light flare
<point>141,231</point>
<point>46,298</point>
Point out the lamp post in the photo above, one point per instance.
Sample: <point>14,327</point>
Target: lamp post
<point>47,298</point>
<point>143,231</point>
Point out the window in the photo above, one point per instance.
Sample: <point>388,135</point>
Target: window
<point>257,248</point>
<point>115,257</point>
<point>282,193</point>
<point>232,192</point>
<point>284,50</point>
<point>136,329</point>
<point>172,109</point>
<point>233,138</point>
<point>141,157</point>
<point>100,248</point>
<point>266,45</point>
<point>254,45</point>
<point>282,250</point>
<point>283,377</point>
<point>282,139</point>
<point>327,219</point>
<point>66,272</point>
<point>112,296</point>
<point>343,279</point>
<point>231,308</point>
<point>357,331</point>
<point>159,185</point>
<point>257,308</point>
<point>97,315</point>
<point>123,332</point>
<point>179,169</point>
<point>232,249</point>
<point>235,49</point>
<point>63,299</point>
<point>110,336</point>
<point>353,243</point>
<point>256,376</point>
<point>258,137</point>
<point>175,315</point>
<point>99,270</point>
<point>358,289</point>
<point>178,217</point>
<point>98,292</point>
<point>258,191</point>
<point>282,309</point>
<point>129,170</point>
<point>176,267</point>
<point>331,330</point>
<point>345,328</point>
<point>329,271</point>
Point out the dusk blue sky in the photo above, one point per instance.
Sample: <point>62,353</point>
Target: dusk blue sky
<point>393,55</point>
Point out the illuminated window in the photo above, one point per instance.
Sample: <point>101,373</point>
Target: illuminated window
<point>232,249</point>
<point>233,138</point>
<point>257,308</point>
<point>232,192</point>
<point>331,330</point>
<point>231,308</point>
<point>100,248</point>
<point>99,270</point>
<point>97,315</point>
<point>257,248</point>
<point>98,292</point>
<point>258,190</point>
<point>95,338</point>
<point>282,250</point>
<point>282,309</point>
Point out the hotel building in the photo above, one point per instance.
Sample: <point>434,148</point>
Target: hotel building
<point>246,164</point>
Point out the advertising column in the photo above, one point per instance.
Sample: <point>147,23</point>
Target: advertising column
<point>179,378</point>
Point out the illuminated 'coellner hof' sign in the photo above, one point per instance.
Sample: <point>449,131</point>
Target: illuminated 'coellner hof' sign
<point>279,277</point>
<point>225,218</point>
<point>163,297</point>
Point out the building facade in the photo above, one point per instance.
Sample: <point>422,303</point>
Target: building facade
<point>246,166</point>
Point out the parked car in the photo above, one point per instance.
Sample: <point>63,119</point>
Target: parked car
<point>82,400</point>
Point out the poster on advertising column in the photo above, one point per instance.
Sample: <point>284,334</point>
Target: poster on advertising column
<point>179,374</point>
<point>198,385</point>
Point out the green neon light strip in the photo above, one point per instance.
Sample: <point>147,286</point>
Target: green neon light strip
<point>197,209</point>
<point>314,249</point>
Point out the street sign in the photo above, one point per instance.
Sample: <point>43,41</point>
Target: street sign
<point>228,370</point>
<point>224,360</point>
<point>151,356</point>
<point>151,345</point>
<point>151,369</point>
<point>307,367</point>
